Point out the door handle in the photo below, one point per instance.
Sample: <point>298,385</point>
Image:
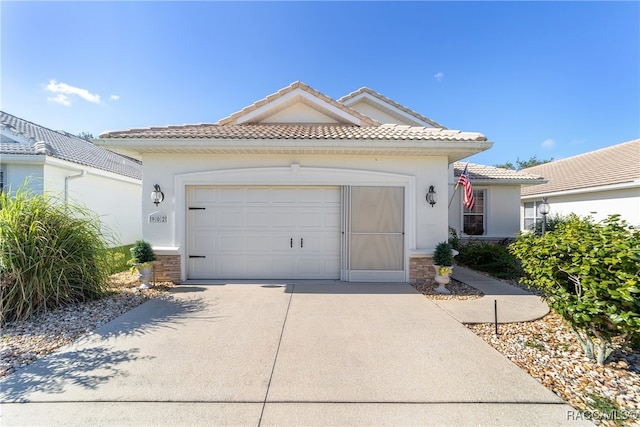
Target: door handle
<point>291,242</point>
<point>301,242</point>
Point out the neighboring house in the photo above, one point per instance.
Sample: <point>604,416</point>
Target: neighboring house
<point>496,215</point>
<point>596,184</point>
<point>105,182</point>
<point>298,186</point>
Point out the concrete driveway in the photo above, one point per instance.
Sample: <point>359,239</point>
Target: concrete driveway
<point>304,353</point>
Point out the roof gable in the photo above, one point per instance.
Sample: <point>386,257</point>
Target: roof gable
<point>617,164</point>
<point>297,104</point>
<point>385,110</point>
<point>299,119</point>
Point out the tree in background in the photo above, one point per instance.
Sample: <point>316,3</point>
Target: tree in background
<point>523,164</point>
<point>86,136</point>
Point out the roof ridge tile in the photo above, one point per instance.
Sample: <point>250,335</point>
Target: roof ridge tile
<point>367,121</point>
<point>390,101</point>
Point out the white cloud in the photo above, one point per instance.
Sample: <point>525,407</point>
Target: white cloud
<point>548,143</point>
<point>65,89</point>
<point>114,97</point>
<point>438,76</point>
<point>60,99</point>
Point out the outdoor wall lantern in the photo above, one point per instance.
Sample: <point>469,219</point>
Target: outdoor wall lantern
<point>544,210</point>
<point>431,196</point>
<point>157,196</point>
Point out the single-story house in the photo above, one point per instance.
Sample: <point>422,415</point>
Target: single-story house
<point>298,186</point>
<point>596,184</point>
<point>107,183</point>
<point>496,214</point>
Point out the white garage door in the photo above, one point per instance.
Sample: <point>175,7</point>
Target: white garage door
<point>263,232</point>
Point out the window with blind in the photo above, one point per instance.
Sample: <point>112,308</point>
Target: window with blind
<point>473,220</point>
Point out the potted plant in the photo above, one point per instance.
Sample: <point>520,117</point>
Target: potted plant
<point>142,259</point>
<point>443,264</point>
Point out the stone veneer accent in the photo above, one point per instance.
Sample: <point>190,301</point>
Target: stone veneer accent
<point>421,269</point>
<point>167,268</point>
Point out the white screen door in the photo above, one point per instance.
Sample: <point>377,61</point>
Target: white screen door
<point>374,233</point>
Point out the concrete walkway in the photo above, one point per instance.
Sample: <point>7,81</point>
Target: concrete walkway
<point>512,304</point>
<point>304,353</point>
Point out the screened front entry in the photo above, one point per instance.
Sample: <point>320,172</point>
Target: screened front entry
<point>374,237</point>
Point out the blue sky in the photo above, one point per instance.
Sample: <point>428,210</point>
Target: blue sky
<point>550,79</point>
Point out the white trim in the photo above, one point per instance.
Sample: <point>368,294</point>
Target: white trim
<point>454,150</point>
<point>386,108</point>
<point>293,175</point>
<point>166,250</point>
<point>621,186</point>
<point>21,159</point>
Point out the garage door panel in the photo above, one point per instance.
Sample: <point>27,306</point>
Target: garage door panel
<point>312,197</point>
<point>281,243</point>
<point>203,242</point>
<point>257,219</point>
<point>258,244</point>
<point>312,219</point>
<point>228,218</point>
<point>284,196</point>
<point>228,243</point>
<point>312,267</point>
<point>199,218</point>
<point>283,219</point>
<point>332,219</point>
<point>227,266</point>
<point>332,243</point>
<point>204,195</point>
<point>200,268</point>
<point>229,195</point>
<point>255,232</point>
<point>280,267</point>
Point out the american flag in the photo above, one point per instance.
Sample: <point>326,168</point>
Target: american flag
<point>469,201</point>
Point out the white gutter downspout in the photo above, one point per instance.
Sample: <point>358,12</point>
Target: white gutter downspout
<point>66,184</point>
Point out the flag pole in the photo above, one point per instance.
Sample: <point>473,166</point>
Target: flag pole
<point>456,187</point>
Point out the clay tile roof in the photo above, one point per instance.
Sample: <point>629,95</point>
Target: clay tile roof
<point>366,121</point>
<point>391,102</point>
<point>492,173</point>
<point>43,141</point>
<point>298,131</point>
<point>616,164</point>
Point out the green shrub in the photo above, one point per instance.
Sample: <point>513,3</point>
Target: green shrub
<point>51,254</point>
<point>491,258</point>
<point>443,255</point>
<point>589,274</point>
<point>142,252</point>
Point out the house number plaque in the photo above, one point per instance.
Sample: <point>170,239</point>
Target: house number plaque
<point>157,218</point>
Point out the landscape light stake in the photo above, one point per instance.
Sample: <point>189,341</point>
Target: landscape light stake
<point>495,314</point>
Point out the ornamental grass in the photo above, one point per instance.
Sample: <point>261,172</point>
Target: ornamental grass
<point>51,254</point>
